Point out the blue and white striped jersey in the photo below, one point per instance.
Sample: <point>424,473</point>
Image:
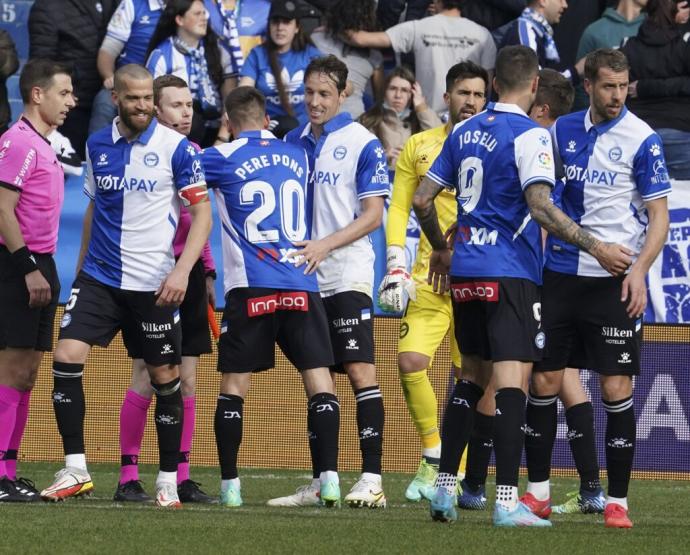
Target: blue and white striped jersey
<point>610,170</point>
<point>348,164</point>
<point>489,160</point>
<point>261,188</point>
<point>135,187</point>
<point>133,24</point>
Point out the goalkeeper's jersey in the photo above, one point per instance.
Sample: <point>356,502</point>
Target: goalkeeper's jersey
<point>418,154</point>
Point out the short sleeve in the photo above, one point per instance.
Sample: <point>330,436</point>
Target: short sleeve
<point>18,161</point>
<point>534,157</point>
<point>89,183</point>
<point>372,171</point>
<point>156,63</point>
<point>402,36</point>
<point>212,161</point>
<point>559,169</point>
<point>186,166</point>
<point>649,167</point>
<point>443,170</point>
<point>250,68</point>
<point>120,25</point>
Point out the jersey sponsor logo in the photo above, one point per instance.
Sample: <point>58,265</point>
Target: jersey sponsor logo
<point>4,148</point>
<point>476,235</point>
<point>197,172</point>
<point>102,160</point>
<point>486,291</point>
<point>540,340</point>
<point>615,154</point>
<point>599,177</point>
<point>339,152</point>
<point>326,178</point>
<point>610,331</point>
<point>379,152</point>
<point>655,150</point>
<point>660,173</point>
<point>545,161</point>
<point>118,183</point>
<point>19,179</point>
<point>293,300</point>
<point>352,345</point>
<point>144,20</point>
<point>571,146</point>
<point>255,163</point>
<point>151,159</point>
<point>152,327</point>
<point>482,138</point>
<point>381,176</point>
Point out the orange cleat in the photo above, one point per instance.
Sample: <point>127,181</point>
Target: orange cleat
<point>616,516</point>
<point>540,508</point>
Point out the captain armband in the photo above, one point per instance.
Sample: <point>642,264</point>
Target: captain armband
<point>193,194</point>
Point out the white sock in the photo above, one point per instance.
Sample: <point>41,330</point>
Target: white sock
<point>166,477</point>
<point>225,484</point>
<point>447,481</point>
<point>622,501</point>
<point>370,477</point>
<point>507,497</point>
<point>78,460</point>
<point>432,452</point>
<point>329,475</point>
<point>540,490</point>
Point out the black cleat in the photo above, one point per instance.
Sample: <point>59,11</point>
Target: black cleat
<point>18,491</point>
<point>131,492</point>
<point>189,492</point>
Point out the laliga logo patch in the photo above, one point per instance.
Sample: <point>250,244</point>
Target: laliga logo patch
<point>66,320</point>
<point>540,340</point>
<point>339,153</point>
<point>151,159</point>
<point>615,154</point>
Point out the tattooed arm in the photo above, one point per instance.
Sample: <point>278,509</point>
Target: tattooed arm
<point>614,258</point>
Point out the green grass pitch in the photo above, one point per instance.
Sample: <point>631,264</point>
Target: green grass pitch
<point>660,511</point>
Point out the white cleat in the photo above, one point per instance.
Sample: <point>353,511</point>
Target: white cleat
<point>69,482</point>
<point>366,493</point>
<point>305,496</point>
<point>166,495</point>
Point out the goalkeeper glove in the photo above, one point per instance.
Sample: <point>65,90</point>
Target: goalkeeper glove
<point>396,281</point>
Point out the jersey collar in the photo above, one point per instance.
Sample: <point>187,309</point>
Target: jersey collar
<point>333,124</point>
<point>604,126</point>
<point>258,134</point>
<point>30,126</point>
<point>503,107</point>
<point>144,138</point>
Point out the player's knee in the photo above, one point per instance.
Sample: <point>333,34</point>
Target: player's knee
<point>546,383</point>
<point>409,363</point>
<point>616,388</point>
<point>71,351</point>
<point>361,374</point>
<point>188,385</point>
<point>163,374</point>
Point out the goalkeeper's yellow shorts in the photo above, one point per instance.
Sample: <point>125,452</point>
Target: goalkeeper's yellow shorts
<point>425,323</point>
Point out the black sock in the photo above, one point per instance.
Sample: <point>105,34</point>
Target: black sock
<point>541,423</point>
<point>168,416</point>
<point>228,428</point>
<point>370,418</point>
<point>69,405</point>
<point>508,434</point>
<point>457,424</point>
<point>580,419</point>
<point>620,445</point>
<point>479,450</point>
<point>326,425</point>
<point>313,449</point>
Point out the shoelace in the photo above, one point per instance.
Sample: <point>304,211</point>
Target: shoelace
<point>27,484</point>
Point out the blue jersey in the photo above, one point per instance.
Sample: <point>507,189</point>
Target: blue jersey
<point>293,63</point>
<point>489,160</point>
<point>611,169</point>
<point>133,24</point>
<point>134,187</point>
<point>261,188</point>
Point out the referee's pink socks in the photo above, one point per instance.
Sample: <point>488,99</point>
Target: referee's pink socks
<point>9,400</point>
<point>187,436</point>
<point>132,423</point>
<point>17,434</point>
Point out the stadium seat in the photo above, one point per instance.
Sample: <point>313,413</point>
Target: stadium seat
<point>14,18</point>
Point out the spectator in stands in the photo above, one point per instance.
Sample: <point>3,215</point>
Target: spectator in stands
<point>234,22</point>
<point>184,45</point>
<point>71,32</point>
<point>534,29</point>
<point>402,113</point>
<point>9,63</point>
<point>492,13</point>
<point>389,11</point>
<point>438,42</point>
<point>126,41</point>
<point>659,91</point>
<point>363,64</point>
<point>276,67</point>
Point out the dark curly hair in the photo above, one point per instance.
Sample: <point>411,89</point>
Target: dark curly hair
<point>351,15</point>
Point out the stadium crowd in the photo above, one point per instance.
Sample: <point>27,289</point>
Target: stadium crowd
<point>534,141</point>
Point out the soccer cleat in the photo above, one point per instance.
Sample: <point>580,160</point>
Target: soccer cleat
<point>366,494</point>
<point>422,486</point>
<point>190,492</point>
<point>616,516</point>
<point>471,500</point>
<point>305,496</point>
<point>166,495</point>
<point>131,492</point>
<point>231,497</point>
<point>520,516</point>
<point>330,493</point>
<point>17,491</point>
<point>69,482</point>
<point>542,509</point>
<point>581,502</point>
<point>442,506</point>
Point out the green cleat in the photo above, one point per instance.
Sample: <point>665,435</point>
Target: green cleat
<point>330,494</point>
<point>579,503</point>
<point>231,497</point>
<point>423,484</point>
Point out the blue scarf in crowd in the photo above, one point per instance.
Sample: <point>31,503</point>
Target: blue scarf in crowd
<point>231,36</point>
<point>200,84</point>
<point>544,31</point>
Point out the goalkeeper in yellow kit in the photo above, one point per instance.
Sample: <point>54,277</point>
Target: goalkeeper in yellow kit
<point>428,316</point>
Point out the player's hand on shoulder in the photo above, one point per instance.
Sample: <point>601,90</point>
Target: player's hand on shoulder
<point>396,281</point>
<point>312,253</point>
<point>39,289</point>
<point>614,258</point>
<point>634,291</point>
<point>439,270</point>
<point>173,288</point>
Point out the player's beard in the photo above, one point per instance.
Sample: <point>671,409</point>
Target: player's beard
<point>601,110</point>
<point>133,124</point>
